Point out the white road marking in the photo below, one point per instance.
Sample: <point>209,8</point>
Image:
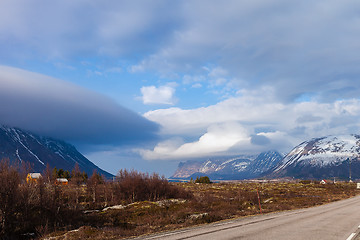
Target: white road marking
<point>224,223</point>
<point>169,234</point>
<point>184,231</point>
<point>351,236</point>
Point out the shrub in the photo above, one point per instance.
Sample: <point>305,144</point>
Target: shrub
<point>132,186</point>
<point>305,181</point>
<point>204,179</point>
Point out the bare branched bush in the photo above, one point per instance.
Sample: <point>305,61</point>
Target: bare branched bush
<point>29,207</point>
<point>132,186</point>
<point>9,195</point>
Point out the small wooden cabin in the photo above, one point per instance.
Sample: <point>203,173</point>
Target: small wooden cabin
<point>61,181</point>
<point>33,177</point>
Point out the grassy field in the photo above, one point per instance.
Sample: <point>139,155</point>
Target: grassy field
<point>205,203</point>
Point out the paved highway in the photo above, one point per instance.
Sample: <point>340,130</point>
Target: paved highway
<point>336,220</point>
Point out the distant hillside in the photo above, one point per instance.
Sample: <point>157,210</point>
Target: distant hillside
<point>235,168</point>
<point>17,144</point>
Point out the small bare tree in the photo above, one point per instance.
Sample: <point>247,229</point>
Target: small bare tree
<point>9,191</point>
<point>93,183</point>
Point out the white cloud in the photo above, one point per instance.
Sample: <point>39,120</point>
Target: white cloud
<point>252,122</point>
<point>250,107</point>
<point>136,68</point>
<point>188,79</point>
<point>159,95</point>
<point>197,85</point>
<point>219,138</point>
<point>218,72</point>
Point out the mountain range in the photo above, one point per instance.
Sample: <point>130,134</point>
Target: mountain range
<point>234,168</point>
<point>39,151</point>
<point>319,158</point>
<point>324,157</point>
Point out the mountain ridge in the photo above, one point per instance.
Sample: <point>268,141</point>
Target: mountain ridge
<point>324,157</point>
<point>20,145</point>
<point>229,168</point>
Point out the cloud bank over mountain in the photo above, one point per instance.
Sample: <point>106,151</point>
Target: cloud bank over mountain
<point>251,123</point>
<point>63,110</point>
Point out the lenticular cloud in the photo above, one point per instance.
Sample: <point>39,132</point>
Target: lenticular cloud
<point>56,108</point>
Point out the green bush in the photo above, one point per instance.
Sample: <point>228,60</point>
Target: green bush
<point>204,179</point>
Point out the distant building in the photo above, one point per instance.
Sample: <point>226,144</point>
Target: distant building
<point>323,181</point>
<point>33,177</point>
<point>61,181</point>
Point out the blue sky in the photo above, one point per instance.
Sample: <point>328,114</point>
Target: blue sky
<point>147,84</point>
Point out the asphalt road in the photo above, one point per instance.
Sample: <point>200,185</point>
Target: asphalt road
<point>336,220</point>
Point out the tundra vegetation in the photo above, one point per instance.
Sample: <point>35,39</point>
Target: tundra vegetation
<point>137,203</point>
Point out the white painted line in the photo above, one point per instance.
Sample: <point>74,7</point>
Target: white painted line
<point>224,223</point>
<point>359,226</point>
<point>351,236</point>
<point>169,234</point>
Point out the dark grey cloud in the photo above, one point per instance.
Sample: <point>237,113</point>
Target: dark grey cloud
<point>308,118</point>
<point>88,28</point>
<point>59,109</point>
<point>297,47</point>
<point>344,120</point>
<point>260,140</point>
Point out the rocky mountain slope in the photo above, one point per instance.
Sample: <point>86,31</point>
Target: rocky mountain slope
<point>326,157</point>
<point>236,168</point>
<point>22,146</point>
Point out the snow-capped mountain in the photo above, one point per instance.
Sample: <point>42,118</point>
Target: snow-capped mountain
<point>326,157</point>
<point>265,162</point>
<point>22,146</point>
<point>240,167</point>
<point>225,168</point>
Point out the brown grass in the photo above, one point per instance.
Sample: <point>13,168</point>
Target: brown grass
<point>211,202</point>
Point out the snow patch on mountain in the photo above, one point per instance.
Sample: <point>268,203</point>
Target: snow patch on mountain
<point>325,157</point>
<point>330,150</point>
<point>240,167</point>
<point>38,151</point>
<point>17,138</point>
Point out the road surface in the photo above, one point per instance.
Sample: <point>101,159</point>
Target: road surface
<point>337,220</point>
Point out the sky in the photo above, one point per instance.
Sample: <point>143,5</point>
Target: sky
<point>148,84</point>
